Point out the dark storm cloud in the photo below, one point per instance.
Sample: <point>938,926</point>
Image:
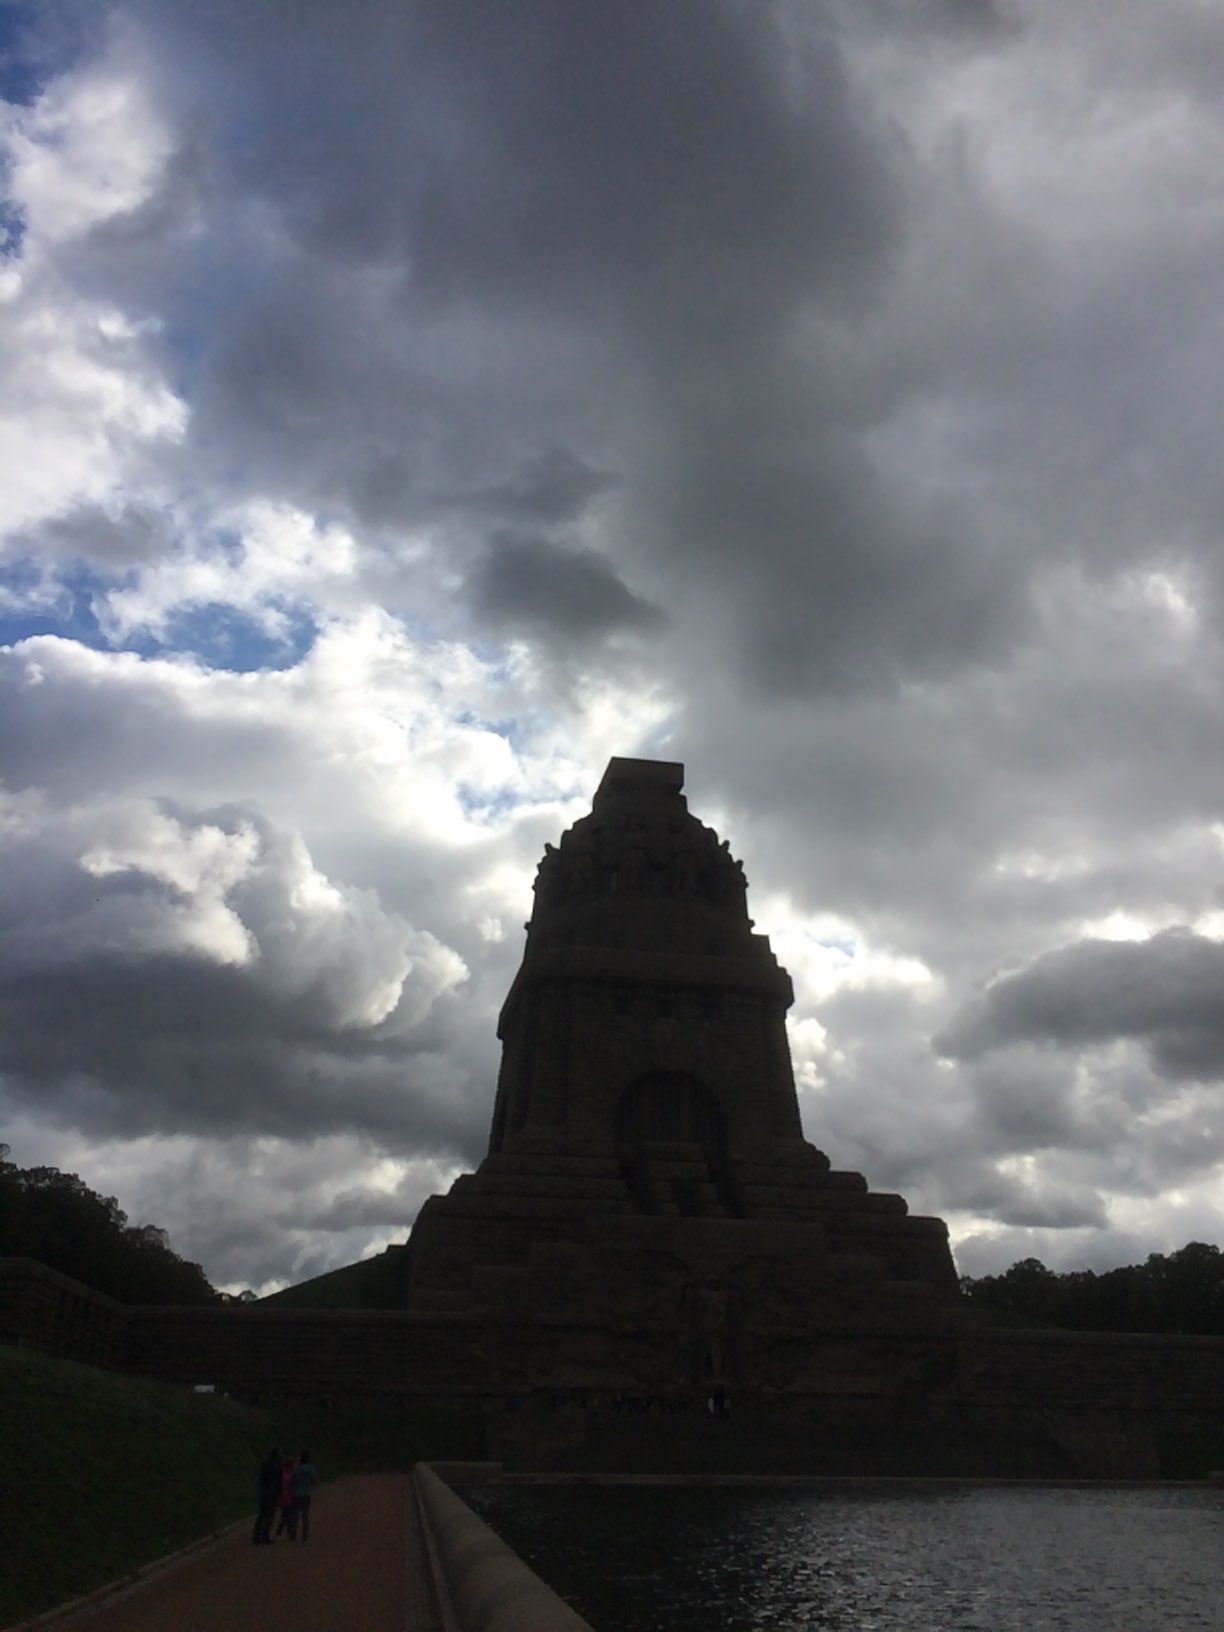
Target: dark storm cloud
<point>534,584</point>
<point>972,19</point>
<point>1025,1099</point>
<point>549,154</point>
<point>987,1193</point>
<point>360,1208</point>
<point>128,1047</point>
<point>170,971</point>
<point>646,162</point>
<point>65,732</point>
<point>633,224</point>
<point>554,486</point>
<point>1166,992</point>
<point>843,590</point>
<point>92,534</point>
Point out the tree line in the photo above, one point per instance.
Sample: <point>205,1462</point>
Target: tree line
<point>56,1218</point>
<point>1180,1291</point>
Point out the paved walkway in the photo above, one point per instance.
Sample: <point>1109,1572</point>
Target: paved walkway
<point>363,1570</point>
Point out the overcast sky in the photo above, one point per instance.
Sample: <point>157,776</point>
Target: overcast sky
<point>404,407</point>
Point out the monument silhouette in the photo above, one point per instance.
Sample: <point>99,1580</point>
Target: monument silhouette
<point>650,1219</point>
<point>651,1235</point>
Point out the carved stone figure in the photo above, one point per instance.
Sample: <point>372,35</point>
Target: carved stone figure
<point>714,1327</point>
<point>633,868</point>
<point>686,870</point>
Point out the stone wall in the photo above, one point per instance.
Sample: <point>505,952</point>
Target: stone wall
<point>311,1353</point>
<point>1025,1404</point>
<point>873,1400</point>
<point>1115,1371</point>
<point>42,1309</point>
<point>350,1352</point>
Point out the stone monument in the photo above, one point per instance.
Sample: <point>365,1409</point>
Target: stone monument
<point>650,1220</point>
<point>651,1237</point>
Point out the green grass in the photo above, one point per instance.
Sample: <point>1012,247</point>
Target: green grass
<point>101,1473</point>
<point>994,1315</point>
<point>1190,1449</point>
<point>373,1283</point>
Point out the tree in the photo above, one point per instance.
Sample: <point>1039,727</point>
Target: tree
<point>1028,1289</point>
<point>1183,1292</point>
<point>56,1218</point>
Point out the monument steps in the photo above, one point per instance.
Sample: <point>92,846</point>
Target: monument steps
<point>818,1199</point>
<point>559,1187</point>
<point>484,1204</point>
<point>543,1165</point>
<point>812,1179</point>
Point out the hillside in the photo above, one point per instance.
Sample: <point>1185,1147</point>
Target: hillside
<point>102,1473</point>
<point>373,1283</point>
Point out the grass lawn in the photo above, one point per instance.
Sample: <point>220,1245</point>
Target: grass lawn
<point>372,1283</point>
<point>101,1473</point>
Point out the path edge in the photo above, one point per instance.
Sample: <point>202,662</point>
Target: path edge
<point>114,1590</point>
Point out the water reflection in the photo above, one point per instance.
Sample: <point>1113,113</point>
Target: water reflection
<point>797,1559</point>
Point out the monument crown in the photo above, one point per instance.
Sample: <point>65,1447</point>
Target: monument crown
<point>641,776</point>
<point>642,872</point>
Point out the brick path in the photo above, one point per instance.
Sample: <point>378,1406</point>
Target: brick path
<point>363,1570</point>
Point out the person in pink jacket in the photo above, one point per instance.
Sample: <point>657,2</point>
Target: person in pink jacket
<point>288,1518</point>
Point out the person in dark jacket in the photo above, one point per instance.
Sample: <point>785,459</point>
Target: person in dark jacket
<point>269,1496</point>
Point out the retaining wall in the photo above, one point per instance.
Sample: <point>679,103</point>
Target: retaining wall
<point>480,1584</point>
<point>42,1309</point>
<point>1093,1400</point>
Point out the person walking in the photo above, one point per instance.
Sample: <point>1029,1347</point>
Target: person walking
<point>288,1518</point>
<point>302,1483</point>
<point>269,1495</point>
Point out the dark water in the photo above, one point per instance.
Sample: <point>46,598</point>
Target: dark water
<point>797,1559</point>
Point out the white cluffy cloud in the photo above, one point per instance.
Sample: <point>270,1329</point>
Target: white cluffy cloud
<point>84,403</point>
<point>91,147</point>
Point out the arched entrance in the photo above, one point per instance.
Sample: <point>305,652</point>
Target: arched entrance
<point>671,1143</point>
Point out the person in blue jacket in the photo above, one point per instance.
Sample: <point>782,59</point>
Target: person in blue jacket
<point>302,1483</point>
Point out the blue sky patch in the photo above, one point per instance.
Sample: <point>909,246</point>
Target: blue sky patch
<point>224,638</point>
<point>487,807</point>
<point>217,635</point>
<point>19,82</point>
<point>77,623</point>
<point>12,230</point>
<point>56,607</point>
<point>39,41</point>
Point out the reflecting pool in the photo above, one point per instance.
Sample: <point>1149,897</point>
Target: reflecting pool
<point>872,1559</point>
